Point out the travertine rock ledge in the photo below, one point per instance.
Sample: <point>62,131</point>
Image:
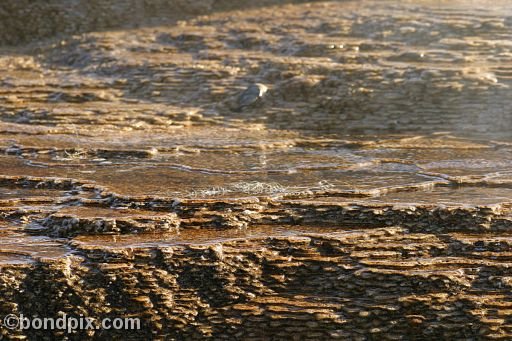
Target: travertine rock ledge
<point>366,197</point>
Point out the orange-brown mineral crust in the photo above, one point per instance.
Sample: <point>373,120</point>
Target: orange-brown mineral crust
<point>366,195</point>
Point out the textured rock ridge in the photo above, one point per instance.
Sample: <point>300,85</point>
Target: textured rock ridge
<point>366,197</point>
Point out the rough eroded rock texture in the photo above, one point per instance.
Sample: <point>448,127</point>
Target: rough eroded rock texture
<point>366,197</point>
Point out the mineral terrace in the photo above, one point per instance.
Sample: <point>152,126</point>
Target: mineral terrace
<point>368,196</point>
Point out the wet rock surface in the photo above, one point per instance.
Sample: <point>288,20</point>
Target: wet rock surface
<point>366,196</point>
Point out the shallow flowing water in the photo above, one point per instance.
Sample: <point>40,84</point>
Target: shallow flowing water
<point>383,118</point>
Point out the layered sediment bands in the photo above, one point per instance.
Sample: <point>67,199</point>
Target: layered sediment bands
<point>380,282</point>
<point>367,196</point>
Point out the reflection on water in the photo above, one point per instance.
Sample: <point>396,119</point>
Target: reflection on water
<point>201,236</point>
<point>393,102</point>
<point>368,192</point>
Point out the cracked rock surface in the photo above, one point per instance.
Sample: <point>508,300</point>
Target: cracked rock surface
<point>366,196</point>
